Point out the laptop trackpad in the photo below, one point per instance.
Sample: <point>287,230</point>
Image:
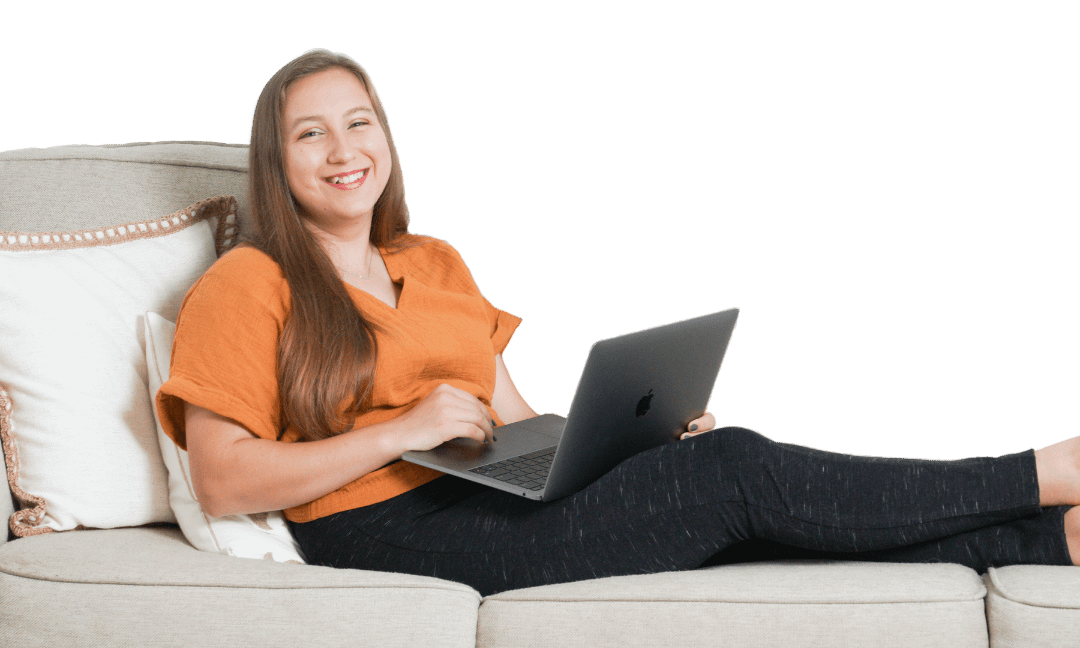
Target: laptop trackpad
<point>550,425</point>
<point>514,440</point>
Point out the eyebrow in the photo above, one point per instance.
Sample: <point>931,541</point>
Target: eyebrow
<point>315,118</point>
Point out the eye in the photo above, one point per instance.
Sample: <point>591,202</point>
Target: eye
<point>310,133</point>
<point>359,122</point>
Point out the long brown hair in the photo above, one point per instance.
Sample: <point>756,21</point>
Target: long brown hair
<point>327,353</point>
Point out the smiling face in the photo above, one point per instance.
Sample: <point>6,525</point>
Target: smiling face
<point>337,159</point>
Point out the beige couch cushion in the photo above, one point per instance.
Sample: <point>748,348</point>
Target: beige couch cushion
<point>765,604</point>
<point>1033,606</point>
<point>149,587</point>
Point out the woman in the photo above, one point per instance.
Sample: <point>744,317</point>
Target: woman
<point>306,363</point>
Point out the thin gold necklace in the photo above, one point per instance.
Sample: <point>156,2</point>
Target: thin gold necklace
<point>357,275</point>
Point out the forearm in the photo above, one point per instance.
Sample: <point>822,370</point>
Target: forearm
<point>506,400</point>
<point>232,471</point>
<point>235,472</point>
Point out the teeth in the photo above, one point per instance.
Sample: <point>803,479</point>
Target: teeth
<point>347,179</point>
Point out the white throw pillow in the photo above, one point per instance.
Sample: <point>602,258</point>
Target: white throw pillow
<point>263,535</point>
<point>79,439</point>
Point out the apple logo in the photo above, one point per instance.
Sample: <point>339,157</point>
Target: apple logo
<point>643,404</point>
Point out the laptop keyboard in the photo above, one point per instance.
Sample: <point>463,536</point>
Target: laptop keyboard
<point>529,471</point>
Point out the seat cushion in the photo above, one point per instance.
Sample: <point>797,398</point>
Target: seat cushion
<point>1033,606</point>
<point>148,586</point>
<point>763,604</point>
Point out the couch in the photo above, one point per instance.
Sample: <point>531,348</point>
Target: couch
<point>71,575</point>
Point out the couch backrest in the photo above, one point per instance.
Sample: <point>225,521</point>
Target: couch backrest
<point>67,188</point>
<point>72,187</point>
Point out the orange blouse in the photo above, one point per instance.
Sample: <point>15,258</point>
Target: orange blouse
<point>224,356</point>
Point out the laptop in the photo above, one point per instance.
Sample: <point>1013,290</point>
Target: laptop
<point>637,391</point>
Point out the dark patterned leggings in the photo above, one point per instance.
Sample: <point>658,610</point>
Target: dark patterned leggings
<point>729,495</point>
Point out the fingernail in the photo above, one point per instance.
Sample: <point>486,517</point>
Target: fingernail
<point>683,437</point>
<point>693,428</point>
<point>493,422</point>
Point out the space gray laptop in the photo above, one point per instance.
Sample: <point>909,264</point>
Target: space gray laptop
<point>637,391</point>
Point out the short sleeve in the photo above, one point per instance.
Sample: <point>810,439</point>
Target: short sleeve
<point>442,259</point>
<point>224,355</point>
<point>503,325</point>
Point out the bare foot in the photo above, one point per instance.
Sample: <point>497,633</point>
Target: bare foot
<point>1058,469</point>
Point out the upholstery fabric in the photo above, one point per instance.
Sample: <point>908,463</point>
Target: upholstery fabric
<point>1033,606</point>
<point>95,186</point>
<point>148,587</point>
<point>761,604</point>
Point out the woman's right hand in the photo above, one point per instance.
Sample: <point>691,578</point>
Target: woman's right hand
<point>444,414</point>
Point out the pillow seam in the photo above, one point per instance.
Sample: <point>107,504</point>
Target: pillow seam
<point>225,207</point>
<point>23,521</point>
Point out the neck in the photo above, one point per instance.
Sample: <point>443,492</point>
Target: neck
<point>351,256</point>
<point>346,234</point>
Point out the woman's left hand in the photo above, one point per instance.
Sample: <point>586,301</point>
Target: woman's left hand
<point>699,425</point>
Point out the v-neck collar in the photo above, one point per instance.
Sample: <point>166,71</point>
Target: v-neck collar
<point>396,276</point>
<point>390,260</point>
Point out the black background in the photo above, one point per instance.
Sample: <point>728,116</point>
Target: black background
<point>877,218</point>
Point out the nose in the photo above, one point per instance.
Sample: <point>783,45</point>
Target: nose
<point>340,151</point>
